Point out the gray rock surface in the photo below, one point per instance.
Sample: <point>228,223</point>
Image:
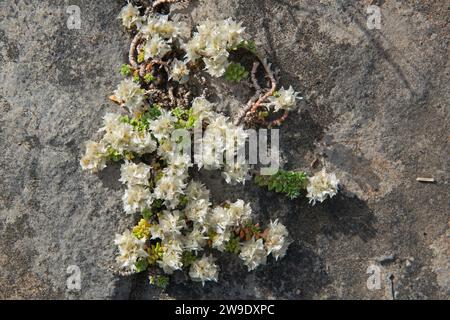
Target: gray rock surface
<point>376,110</point>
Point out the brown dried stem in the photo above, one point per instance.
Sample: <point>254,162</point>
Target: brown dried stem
<point>132,55</point>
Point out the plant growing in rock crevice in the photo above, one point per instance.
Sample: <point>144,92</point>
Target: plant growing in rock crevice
<point>179,228</point>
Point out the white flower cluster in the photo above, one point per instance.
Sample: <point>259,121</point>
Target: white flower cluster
<point>321,186</point>
<point>121,136</point>
<point>180,226</point>
<point>194,227</point>
<point>137,196</point>
<point>94,159</point>
<point>222,142</point>
<point>131,95</point>
<point>130,16</point>
<point>284,99</point>
<point>212,43</point>
<point>131,249</point>
<point>160,34</point>
<point>204,269</point>
<point>255,252</point>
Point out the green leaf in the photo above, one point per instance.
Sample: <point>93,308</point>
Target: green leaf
<point>153,113</point>
<point>187,258</point>
<point>233,245</point>
<point>249,45</point>
<point>141,57</point>
<point>162,282</point>
<point>147,214</point>
<point>125,70</point>
<point>289,182</point>
<point>235,72</point>
<point>149,78</point>
<point>141,265</point>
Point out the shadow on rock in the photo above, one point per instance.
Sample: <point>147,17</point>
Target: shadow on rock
<point>110,177</point>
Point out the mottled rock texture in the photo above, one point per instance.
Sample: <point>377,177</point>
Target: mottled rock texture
<point>376,110</point>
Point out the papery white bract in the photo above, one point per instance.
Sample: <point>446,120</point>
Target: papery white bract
<point>321,186</point>
<point>277,240</point>
<point>131,94</point>
<point>284,99</point>
<point>253,253</point>
<point>130,250</point>
<point>204,269</point>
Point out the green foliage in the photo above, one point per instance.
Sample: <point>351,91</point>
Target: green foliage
<point>183,200</point>
<point>141,57</point>
<point>147,214</point>
<point>114,155</point>
<point>289,182</point>
<point>149,78</point>
<point>157,204</point>
<point>142,122</point>
<point>180,113</point>
<point>235,72</point>
<point>152,113</point>
<point>254,229</point>
<point>233,245</point>
<point>125,70</point>
<point>186,120</point>
<point>187,258</point>
<point>136,78</point>
<point>248,45</point>
<point>141,265</point>
<point>160,281</point>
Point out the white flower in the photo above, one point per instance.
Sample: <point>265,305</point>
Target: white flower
<point>284,99</point>
<point>191,48</point>
<point>196,240</point>
<point>236,137</point>
<point>233,31</point>
<point>236,173</point>
<point>178,164</point>
<point>171,259</point>
<point>197,210</point>
<point>197,191</point>
<point>321,186</point>
<point>136,198</point>
<point>214,140</point>
<point>202,109</point>
<point>212,42</point>
<point>276,240</point>
<point>216,66</point>
<point>171,224</point>
<point>166,149</point>
<point>253,253</point>
<point>134,174</point>
<point>130,250</point>
<point>162,126</point>
<point>161,25</point>
<point>130,16</point>
<point>240,213</point>
<point>117,133</point>
<point>219,240</point>
<point>131,94</point>
<point>220,219</point>
<point>142,142</point>
<point>204,269</point>
<point>179,71</point>
<point>156,47</point>
<point>94,159</point>
<point>168,188</point>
